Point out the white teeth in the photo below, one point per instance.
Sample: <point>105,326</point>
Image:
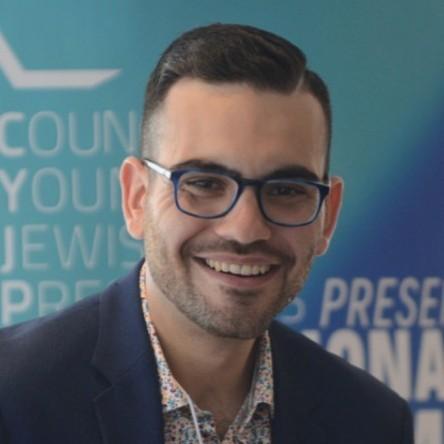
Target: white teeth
<point>246,270</point>
<point>233,269</point>
<point>238,269</point>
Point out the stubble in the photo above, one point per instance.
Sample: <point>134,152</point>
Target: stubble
<point>249,319</point>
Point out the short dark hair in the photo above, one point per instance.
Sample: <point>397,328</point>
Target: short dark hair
<point>221,53</point>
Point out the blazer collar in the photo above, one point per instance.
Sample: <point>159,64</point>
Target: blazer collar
<point>298,390</point>
<point>129,410</point>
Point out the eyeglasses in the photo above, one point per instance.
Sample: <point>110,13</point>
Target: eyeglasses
<point>203,193</point>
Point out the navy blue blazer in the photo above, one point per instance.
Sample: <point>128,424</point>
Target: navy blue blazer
<point>88,375</point>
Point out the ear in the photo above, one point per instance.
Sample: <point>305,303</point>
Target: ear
<point>134,187</point>
<point>330,215</point>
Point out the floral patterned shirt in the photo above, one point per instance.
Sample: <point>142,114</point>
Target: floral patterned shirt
<point>252,424</point>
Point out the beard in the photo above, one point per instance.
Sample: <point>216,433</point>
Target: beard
<point>248,319</point>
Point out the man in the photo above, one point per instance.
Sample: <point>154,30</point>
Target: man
<point>233,199</point>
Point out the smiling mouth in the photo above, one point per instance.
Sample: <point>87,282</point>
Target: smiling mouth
<point>244,270</point>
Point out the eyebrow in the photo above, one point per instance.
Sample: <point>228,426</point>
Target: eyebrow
<point>286,172</point>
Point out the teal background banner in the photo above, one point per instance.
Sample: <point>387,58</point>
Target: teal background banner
<point>72,79</point>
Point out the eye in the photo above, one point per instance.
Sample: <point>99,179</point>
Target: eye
<point>286,189</point>
<point>204,184</point>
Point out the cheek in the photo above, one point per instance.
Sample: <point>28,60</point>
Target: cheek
<point>160,202</point>
<point>170,227</point>
<point>302,241</point>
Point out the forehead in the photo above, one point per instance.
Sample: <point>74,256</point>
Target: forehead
<point>241,128</point>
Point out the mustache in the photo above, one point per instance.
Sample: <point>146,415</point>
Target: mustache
<point>230,246</point>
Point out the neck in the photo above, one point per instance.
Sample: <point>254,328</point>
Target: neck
<point>215,371</point>
<point>198,362</point>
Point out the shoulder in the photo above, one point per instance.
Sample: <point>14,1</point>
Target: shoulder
<point>66,341</point>
<point>49,377</point>
<point>347,397</point>
<point>46,379</point>
<point>35,346</point>
<point>298,350</point>
<point>72,332</point>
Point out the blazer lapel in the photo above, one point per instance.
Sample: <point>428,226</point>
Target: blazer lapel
<point>297,392</point>
<point>129,410</point>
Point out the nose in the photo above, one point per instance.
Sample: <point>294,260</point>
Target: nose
<point>245,222</point>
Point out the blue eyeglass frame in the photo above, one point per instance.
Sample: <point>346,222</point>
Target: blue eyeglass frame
<point>175,175</point>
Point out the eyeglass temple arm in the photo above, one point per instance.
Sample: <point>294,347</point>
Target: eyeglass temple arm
<point>157,168</point>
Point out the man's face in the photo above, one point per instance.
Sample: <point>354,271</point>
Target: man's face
<point>254,133</point>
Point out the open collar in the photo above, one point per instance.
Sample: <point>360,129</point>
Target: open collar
<point>130,409</point>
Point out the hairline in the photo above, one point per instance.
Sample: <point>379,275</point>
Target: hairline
<point>149,120</point>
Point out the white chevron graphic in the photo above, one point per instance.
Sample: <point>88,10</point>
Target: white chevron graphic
<point>22,78</point>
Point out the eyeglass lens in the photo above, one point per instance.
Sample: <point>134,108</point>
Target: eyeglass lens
<point>283,201</point>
